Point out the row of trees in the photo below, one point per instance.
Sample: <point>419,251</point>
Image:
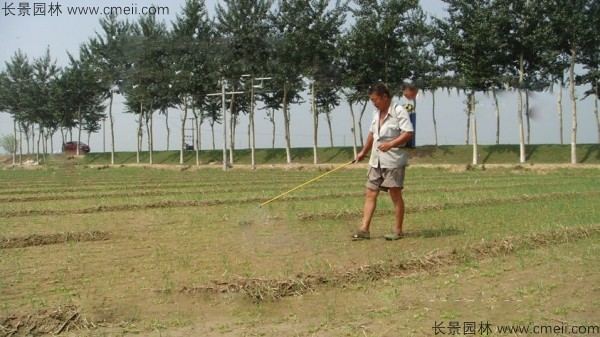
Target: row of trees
<point>334,50</point>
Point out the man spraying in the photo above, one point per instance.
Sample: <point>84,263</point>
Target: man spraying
<point>390,131</point>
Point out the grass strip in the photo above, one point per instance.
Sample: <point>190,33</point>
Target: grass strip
<point>349,214</point>
<point>301,216</point>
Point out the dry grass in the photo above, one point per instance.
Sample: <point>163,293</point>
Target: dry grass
<point>51,239</point>
<point>52,321</point>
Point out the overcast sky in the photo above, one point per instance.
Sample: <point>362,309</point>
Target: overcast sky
<point>64,33</point>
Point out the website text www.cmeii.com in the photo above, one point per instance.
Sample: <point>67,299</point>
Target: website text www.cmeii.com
<point>26,9</point>
<point>455,328</point>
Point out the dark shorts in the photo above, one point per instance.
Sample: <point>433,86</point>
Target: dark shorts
<point>382,179</point>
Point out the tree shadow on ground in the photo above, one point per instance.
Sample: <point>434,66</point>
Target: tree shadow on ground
<point>500,150</point>
<point>340,155</point>
<point>170,158</point>
<point>589,153</point>
<point>428,151</point>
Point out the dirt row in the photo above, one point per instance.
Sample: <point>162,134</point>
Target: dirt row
<point>51,239</point>
<point>258,289</point>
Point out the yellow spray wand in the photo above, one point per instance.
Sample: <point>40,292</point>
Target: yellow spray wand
<point>306,183</point>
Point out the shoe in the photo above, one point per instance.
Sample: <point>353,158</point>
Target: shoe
<point>393,236</point>
<point>361,235</point>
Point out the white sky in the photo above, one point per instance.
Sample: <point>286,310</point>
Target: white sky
<point>65,32</point>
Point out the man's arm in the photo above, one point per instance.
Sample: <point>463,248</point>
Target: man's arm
<point>396,142</point>
<point>368,145</point>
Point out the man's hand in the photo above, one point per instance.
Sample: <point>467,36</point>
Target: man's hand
<point>385,147</point>
<point>360,156</point>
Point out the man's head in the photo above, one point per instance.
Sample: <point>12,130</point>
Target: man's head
<point>410,91</point>
<point>380,96</point>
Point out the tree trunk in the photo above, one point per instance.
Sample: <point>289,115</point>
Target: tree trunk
<point>315,114</point>
<point>435,132</point>
<point>37,152</point>
<point>45,143</point>
<point>62,136</point>
<point>286,125</point>
<point>527,116</point>
<point>212,129</point>
<point>232,125</point>
<point>468,119</point>
<point>353,129</point>
<point>140,133</point>
<point>150,136</point>
<point>15,141</point>
<point>252,138</point>
<point>33,150</point>
<point>27,135</point>
<point>573,106</point>
<point>328,115</point>
<point>167,125</point>
<point>497,111</point>
<point>52,141</point>
<point>560,112</point>
<point>233,122</point>
<point>224,126</point>
<point>197,123</point>
<point>597,118</point>
<point>475,149</point>
<point>360,130</point>
<point>44,134</point>
<point>20,144</point>
<point>198,120</point>
<point>522,156</point>
<point>103,135</point>
<point>272,119</point>
<point>112,130</point>
<point>79,128</point>
<point>184,118</point>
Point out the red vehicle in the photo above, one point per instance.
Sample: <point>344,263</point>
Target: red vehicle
<point>72,147</point>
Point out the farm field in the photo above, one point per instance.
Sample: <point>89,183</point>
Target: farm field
<point>180,251</point>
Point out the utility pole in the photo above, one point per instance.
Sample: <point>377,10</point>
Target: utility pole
<point>224,112</point>
<point>103,134</point>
